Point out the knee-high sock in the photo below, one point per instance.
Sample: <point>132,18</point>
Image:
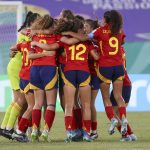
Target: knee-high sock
<point>13,116</point>
<point>6,117</point>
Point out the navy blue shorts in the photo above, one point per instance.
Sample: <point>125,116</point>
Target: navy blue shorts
<point>25,86</point>
<point>43,77</point>
<point>110,74</point>
<point>77,78</point>
<point>95,82</point>
<point>126,94</point>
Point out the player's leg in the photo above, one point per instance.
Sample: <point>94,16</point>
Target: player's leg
<point>36,84</point>
<point>94,91</point>
<point>50,86</point>
<point>105,75</point>
<point>117,91</point>
<point>19,134</point>
<point>85,98</point>
<point>69,91</point>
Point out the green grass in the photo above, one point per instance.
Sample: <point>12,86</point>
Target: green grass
<point>139,121</point>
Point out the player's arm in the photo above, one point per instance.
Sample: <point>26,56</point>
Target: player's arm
<point>14,48</point>
<point>33,55</point>
<point>69,41</point>
<point>94,54</point>
<point>80,37</point>
<point>47,47</point>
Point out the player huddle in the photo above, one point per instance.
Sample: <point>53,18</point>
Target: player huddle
<point>77,56</point>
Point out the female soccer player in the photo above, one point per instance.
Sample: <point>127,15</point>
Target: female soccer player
<point>89,26</point>
<point>13,73</point>
<point>110,39</point>
<point>43,78</point>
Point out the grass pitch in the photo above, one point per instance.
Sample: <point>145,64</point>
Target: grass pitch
<point>140,122</point>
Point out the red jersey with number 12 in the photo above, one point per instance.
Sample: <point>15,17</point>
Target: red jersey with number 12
<point>77,55</point>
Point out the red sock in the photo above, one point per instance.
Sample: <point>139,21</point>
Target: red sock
<point>94,126</point>
<point>109,111</point>
<point>30,122</point>
<point>23,125</point>
<point>68,122</point>
<point>74,122</point>
<point>87,125</point>
<point>129,130</point>
<point>19,118</point>
<point>122,112</point>
<point>49,118</point>
<point>78,113</point>
<point>119,128</point>
<point>36,118</point>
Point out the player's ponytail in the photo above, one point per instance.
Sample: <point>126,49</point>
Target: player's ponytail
<point>113,18</point>
<point>116,22</point>
<point>26,21</point>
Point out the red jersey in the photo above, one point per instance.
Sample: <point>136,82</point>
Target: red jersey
<point>77,55</point>
<point>46,60</point>
<point>24,48</point>
<point>126,81</point>
<point>110,53</point>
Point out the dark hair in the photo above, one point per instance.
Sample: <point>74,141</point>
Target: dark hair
<point>68,14</point>
<point>93,23</point>
<point>63,26</point>
<point>78,24</point>
<point>80,17</point>
<point>30,17</point>
<point>114,18</point>
<point>44,22</point>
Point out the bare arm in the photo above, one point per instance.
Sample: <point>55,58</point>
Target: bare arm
<point>69,41</point>
<point>47,47</point>
<point>80,37</point>
<point>94,54</point>
<point>32,55</point>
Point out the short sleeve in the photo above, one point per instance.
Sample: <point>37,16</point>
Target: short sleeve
<point>96,33</point>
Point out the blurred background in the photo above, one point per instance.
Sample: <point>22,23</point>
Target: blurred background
<point>136,14</point>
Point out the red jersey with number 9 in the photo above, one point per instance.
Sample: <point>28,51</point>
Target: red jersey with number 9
<point>24,48</point>
<point>110,46</point>
<point>46,60</point>
<point>77,55</point>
